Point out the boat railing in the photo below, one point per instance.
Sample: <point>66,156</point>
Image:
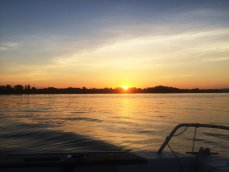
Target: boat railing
<point>186,126</point>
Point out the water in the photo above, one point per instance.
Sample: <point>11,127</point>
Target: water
<point>71,123</point>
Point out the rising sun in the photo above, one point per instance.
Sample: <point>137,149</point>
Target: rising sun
<point>125,87</point>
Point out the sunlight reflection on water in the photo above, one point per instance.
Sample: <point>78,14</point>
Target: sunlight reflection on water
<point>59,123</point>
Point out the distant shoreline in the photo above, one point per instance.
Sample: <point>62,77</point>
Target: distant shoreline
<point>110,93</point>
<point>19,89</point>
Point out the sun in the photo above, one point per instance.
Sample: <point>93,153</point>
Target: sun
<point>125,87</point>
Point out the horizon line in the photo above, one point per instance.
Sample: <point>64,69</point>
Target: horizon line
<point>118,87</point>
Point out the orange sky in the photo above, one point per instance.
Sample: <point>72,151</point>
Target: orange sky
<point>183,60</point>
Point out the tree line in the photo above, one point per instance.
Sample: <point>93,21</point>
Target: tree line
<point>27,89</point>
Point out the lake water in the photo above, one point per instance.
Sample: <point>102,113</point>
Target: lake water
<point>71,123</point>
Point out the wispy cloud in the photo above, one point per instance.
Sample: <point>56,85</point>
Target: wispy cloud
<point>178,76</point>
<point>8,45</point>
<point>219,59</point>
<point>158,47</point>
<point>3,48</point>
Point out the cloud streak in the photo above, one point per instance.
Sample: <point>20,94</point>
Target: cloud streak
<point>8,45</point>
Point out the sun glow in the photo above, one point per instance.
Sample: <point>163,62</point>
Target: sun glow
<point>125,87</point>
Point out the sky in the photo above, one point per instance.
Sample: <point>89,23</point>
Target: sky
<point>102,43</point>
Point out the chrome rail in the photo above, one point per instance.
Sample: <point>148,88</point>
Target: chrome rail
<point>187,125</point>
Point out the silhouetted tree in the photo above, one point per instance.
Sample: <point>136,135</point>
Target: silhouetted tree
<point>18,89</point>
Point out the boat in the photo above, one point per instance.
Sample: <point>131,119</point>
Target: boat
<point>203,160</point>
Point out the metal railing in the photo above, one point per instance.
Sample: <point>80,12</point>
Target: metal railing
<point>187,125</point>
